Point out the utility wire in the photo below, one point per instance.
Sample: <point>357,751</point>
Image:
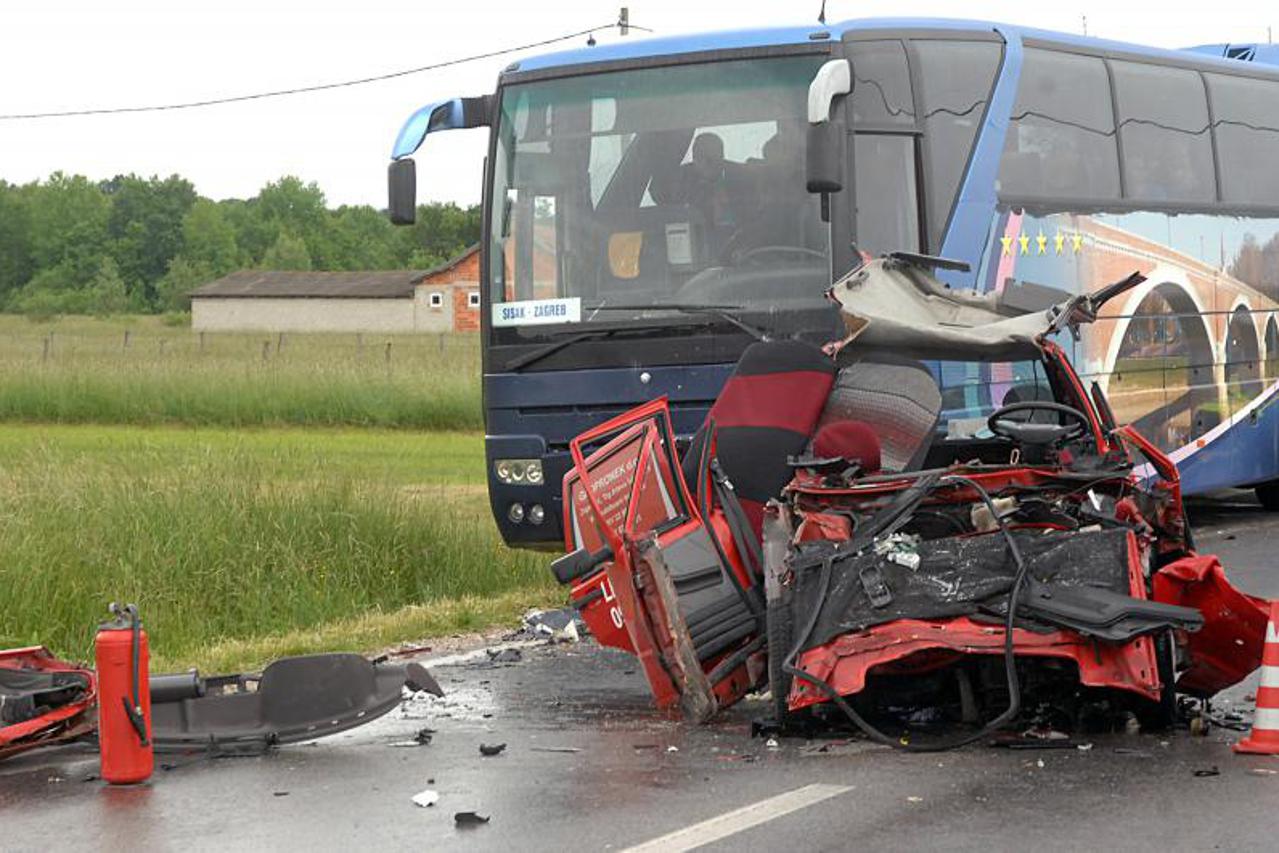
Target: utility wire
<point>279,93</point>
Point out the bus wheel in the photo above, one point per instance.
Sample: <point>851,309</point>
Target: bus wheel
<point>1268,494</point>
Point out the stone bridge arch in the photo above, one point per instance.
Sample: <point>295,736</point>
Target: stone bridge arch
<point>1272,348</point>
<point>1241,356</point>
<point>1163,366</point>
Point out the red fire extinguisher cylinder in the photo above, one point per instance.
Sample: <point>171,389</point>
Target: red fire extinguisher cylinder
<point>124,698</point>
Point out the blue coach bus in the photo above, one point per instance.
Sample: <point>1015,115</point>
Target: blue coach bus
<point>653,206</point>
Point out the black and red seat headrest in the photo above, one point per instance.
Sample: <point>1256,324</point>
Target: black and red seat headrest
<point>764,415</point>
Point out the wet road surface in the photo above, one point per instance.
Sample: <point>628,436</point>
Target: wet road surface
<point>637,777</point>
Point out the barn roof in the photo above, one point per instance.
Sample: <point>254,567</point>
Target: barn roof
<point>287,284</point>
<point>384,284</point>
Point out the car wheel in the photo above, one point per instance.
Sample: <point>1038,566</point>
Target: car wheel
<point>1268,494</point>
<point>779,641</point>
<point>1162,715</point>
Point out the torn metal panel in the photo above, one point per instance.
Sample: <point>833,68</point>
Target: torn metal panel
<point>895,305</point>
<point>1229,646</point>
<point>43,700</point>
<point>914,646</point>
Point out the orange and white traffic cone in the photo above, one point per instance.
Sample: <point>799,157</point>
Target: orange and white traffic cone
<point>1264,738</point>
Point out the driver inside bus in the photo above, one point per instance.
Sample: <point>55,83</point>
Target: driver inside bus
<point>714,186</point>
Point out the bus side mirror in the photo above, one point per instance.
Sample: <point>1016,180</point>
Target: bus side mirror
<point>826,143</point>
<point>402,191</point>
<point>826,154</point>
<point>453,114</point>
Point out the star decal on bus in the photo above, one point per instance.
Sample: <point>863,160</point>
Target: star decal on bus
<point>1041,241</point>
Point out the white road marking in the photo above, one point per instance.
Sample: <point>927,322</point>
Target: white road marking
<point>731,823</point>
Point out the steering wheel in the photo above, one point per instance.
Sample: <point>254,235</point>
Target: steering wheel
<point>750,255</point>
<point>1037,434</point>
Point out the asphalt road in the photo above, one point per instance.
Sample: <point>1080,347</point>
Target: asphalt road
<point>636,777</point>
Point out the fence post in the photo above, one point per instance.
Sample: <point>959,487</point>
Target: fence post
<point>202,343</point>
<point>279,344</point>
<point>388,352</point>
<point>266,351</point>
<point>126,339</point>
<point>44,356</point>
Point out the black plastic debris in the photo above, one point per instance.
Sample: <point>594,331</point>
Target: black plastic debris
<point>765,728</point>
<point>279,793</point>
<point>418,679</point>
<point>563,624</point>
<point>505,655</point>
<point>490,749</point>
<point>1207,771</point>
<point>293,699</point>
<point>424,736</point>
<point>470,819</point>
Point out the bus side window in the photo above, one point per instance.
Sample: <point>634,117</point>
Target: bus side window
<point>881,84</point>
<point>1061,135</point>
<point>887,197</point>
<point>882,114</point>
<point>1246,112</point>
<point>1163,119</point>
<point>955,80</point>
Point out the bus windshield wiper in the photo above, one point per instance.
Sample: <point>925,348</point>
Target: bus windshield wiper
<point>553,347</point>
<point>723,312</point>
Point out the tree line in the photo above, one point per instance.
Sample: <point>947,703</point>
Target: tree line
<point>70,245</point>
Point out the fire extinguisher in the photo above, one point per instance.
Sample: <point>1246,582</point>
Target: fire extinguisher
<point>124,698</point>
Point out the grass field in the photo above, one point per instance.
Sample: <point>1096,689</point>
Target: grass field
<point>141,370</point>
<point>239,546</point>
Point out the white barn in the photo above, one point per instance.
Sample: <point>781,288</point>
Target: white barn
<point>443,299</point>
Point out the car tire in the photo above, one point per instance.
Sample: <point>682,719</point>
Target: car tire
<point>779,641</point>
<point>1162,715</point>
<point>1268,495</point>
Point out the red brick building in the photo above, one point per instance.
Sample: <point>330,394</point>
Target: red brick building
<point>457,284</point>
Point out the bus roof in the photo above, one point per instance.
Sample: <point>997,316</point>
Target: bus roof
<point>1228,56</point>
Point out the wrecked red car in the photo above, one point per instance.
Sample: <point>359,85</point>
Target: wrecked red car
<point>862,530</point>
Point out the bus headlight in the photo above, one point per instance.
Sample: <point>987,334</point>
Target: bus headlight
<point>536,514</point>
<point>517,472</point>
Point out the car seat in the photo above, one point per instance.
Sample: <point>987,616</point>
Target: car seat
<point>898,398</point>
<point>763,416</point>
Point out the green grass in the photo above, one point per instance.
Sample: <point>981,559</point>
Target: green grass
<point>142,370</point>
<point>239,546</point>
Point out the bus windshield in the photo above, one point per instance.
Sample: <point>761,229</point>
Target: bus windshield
<point>626,196</point>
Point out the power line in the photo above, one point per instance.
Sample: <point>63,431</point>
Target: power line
<point>279,93</point>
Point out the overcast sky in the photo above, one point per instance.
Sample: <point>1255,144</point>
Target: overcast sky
<point>60,55</point>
